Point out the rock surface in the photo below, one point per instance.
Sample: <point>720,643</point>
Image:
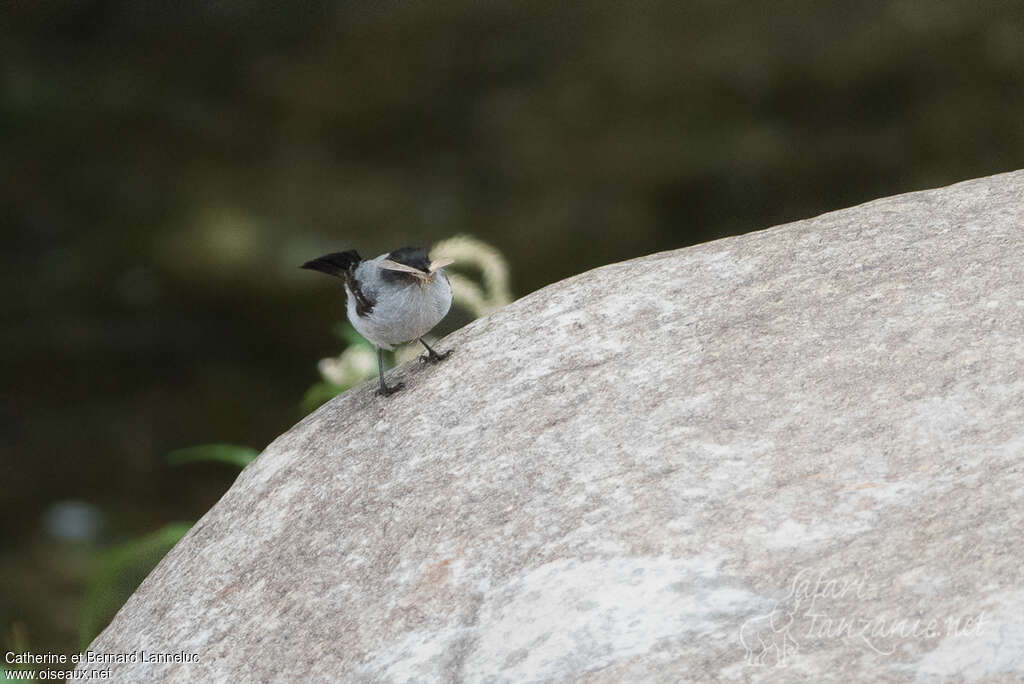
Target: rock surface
<point>793,455</point>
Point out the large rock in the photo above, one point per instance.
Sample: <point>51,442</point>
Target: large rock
<point>794,455</point>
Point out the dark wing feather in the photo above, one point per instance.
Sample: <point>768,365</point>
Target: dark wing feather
<point>364,304</point>
<point>343,265</point>
<point>336,264</point>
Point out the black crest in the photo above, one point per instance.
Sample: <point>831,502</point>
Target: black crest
<point>416,257</point>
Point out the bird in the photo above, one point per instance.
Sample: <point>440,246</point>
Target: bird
<point>395,298</point>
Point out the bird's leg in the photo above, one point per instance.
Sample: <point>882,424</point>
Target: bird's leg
<point>384,389</point>
<point>432,356</point>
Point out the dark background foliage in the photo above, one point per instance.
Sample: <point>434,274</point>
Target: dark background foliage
<point>166,167</point>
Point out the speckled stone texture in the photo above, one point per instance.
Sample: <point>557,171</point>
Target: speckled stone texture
<point>794,455</point>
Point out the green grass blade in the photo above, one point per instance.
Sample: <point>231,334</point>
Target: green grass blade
<point>232,454</point>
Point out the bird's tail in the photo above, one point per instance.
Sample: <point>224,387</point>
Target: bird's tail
<point>336,264</point>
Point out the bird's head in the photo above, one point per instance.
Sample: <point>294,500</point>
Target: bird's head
<point>413,262</point>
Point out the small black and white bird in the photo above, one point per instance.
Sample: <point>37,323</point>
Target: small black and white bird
<point>393,299</point>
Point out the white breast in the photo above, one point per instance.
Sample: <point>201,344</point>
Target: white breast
<point>402,312</point>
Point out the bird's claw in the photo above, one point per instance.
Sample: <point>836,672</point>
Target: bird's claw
<point>434,357</point>
<point>386,390</point>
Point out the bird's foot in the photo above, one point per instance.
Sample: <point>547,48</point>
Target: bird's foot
<point>387,391</point>
<point>433,357</point>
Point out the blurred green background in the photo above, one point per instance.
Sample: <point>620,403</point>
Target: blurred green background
<point>167,166</point>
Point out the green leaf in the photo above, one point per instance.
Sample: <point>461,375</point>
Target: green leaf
<point>233,454</point>
<point>118,572</point>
